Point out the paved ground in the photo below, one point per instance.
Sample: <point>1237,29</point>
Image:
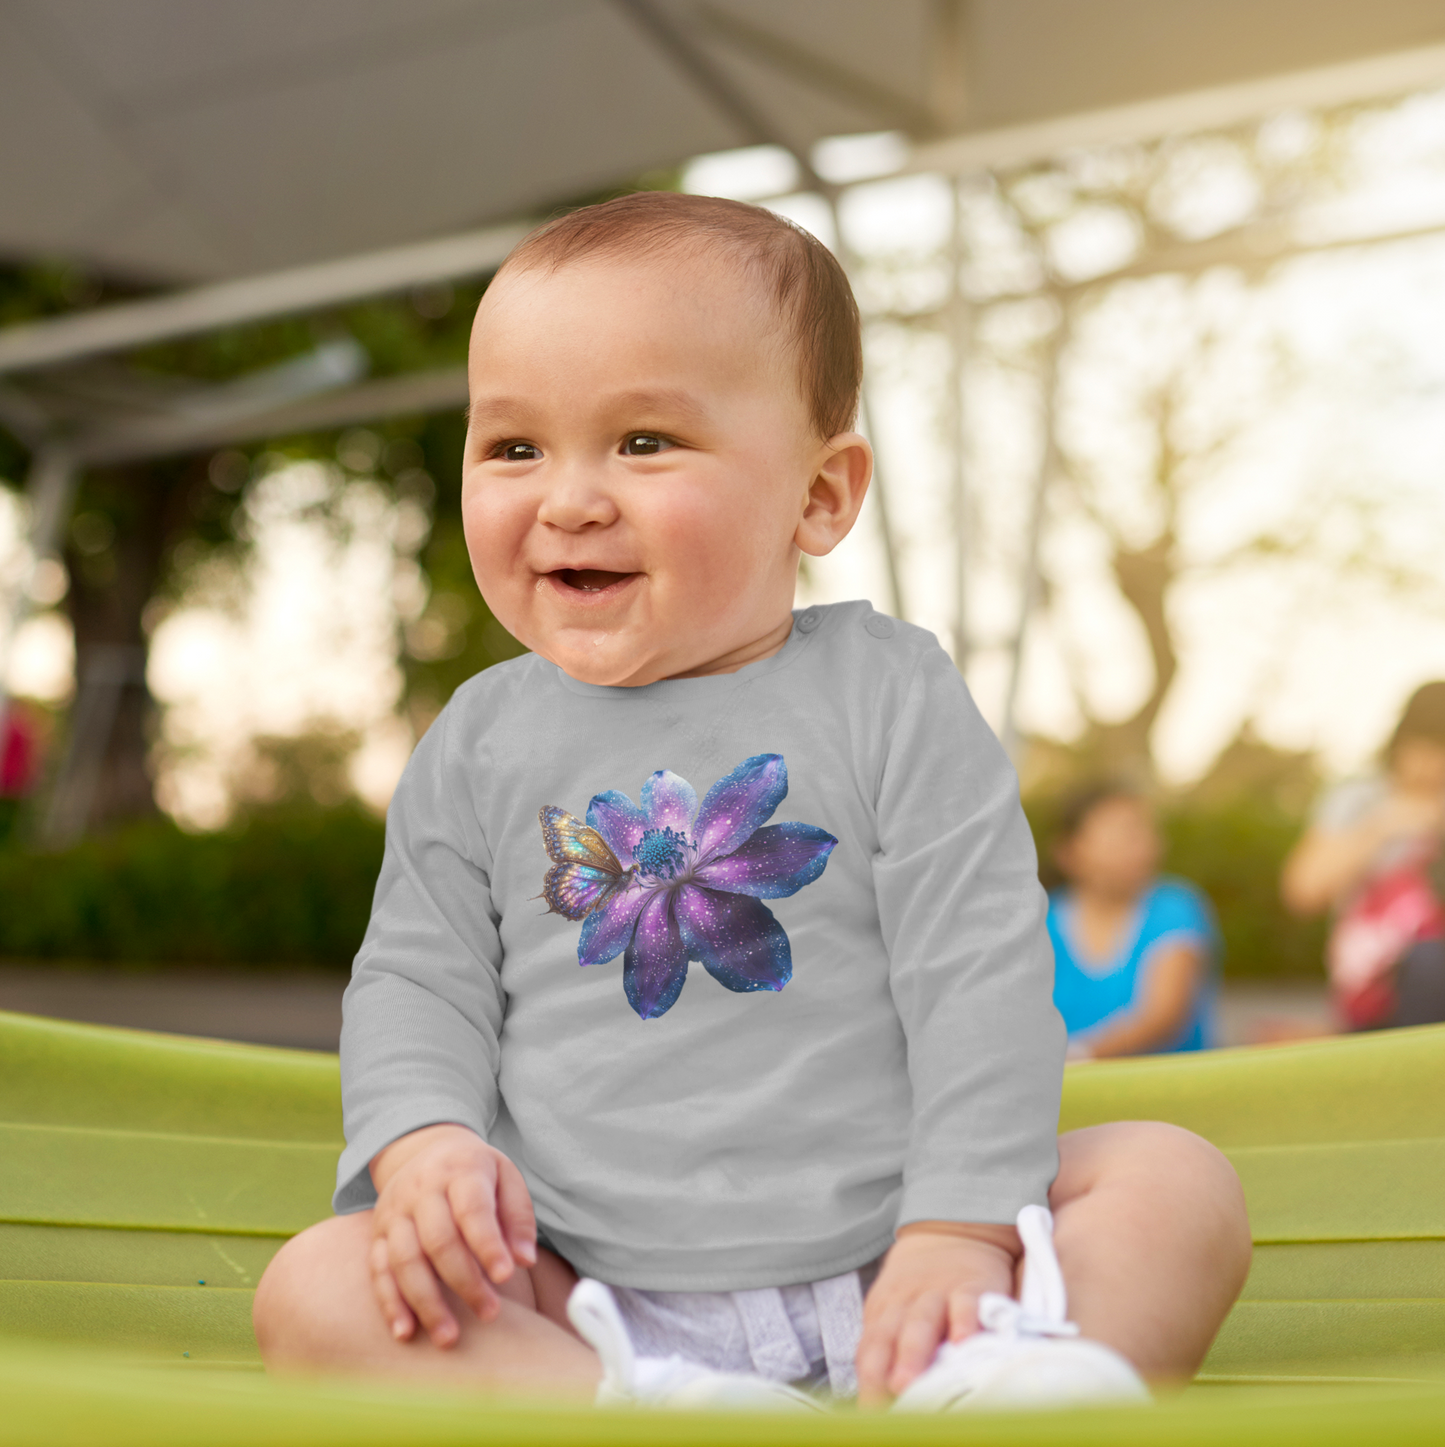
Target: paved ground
<point>300,1010</point>
<point>1267,1014</point>
<point>304,1010</point>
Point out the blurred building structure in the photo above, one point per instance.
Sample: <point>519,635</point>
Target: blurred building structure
<point>278,159</point>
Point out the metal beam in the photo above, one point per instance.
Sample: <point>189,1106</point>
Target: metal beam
<point>413,393</point>
<point>1215,108</point>
<point>123,325</point>
<point>710,79</point>
<point>818,74</point>
<point>1249,249</point>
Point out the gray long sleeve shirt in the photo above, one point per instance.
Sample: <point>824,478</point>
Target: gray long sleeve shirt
<point>743,972</point>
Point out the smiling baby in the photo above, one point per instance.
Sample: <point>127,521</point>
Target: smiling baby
<point>701,1048</point>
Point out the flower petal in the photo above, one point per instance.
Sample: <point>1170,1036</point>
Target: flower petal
<point>775,862</point>
<point>607,931</point>
<point>655,966</point>
<point>619,821</point>
<point>739,803</point>
<point>737,939</point>
<point>669,802</point>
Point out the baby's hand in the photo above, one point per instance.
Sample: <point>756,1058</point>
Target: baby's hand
<point>451,1209</point>
<point>927,1293</point>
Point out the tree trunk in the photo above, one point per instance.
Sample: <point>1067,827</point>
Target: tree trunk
<point>1144,576</point>
<point>115,550</point>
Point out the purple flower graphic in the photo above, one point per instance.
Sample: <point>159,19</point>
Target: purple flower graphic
<point>673,882</point>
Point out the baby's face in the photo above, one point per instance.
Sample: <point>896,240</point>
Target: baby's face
<point>640,470</point>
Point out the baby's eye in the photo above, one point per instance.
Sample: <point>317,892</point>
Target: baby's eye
<point>518,452</point>
<point>644,444</point>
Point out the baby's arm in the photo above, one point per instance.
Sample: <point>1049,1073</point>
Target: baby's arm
<point>450,1209</point>
<point>420,1052</point>
<point>971,974</point>
<point>927,1292</point>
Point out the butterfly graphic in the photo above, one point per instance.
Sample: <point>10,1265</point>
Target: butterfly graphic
<point>585,873</point>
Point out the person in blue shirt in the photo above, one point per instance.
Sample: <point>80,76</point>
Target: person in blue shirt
<point>1135,952</point>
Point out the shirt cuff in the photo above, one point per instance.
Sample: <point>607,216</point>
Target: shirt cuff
<point>354,1188</point>
<point>971,1200</point>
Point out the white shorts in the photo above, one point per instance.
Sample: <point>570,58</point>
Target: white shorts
<point>806,1335</point>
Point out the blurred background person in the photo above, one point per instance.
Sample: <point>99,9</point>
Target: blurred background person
<point>1135,952</point>
<point>22,730</point>
<point>1371,854</point>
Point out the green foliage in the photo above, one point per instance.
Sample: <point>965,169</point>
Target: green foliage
<point>290,885</point>
<point>1233,850</point>
<point>31,292</point>
<point>1234,853</point>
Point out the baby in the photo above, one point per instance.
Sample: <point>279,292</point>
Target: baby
<point>708,957</point>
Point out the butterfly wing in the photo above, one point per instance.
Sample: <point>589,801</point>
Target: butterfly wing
<point>584,870</point>
<point>569,841</point>
<point>575,890</point>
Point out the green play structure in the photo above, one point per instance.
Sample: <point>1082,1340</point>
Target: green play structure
<point>146,1180</point>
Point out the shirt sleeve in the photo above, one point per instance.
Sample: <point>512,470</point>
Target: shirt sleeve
<point>1182,913</point>
<point>1345,805</point>
<point>972,970</point>
<point>422,1015</point>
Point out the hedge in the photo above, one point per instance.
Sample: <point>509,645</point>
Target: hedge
<point>292,886</point>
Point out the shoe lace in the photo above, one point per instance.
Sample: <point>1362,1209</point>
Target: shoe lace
<point>1006,1317</point>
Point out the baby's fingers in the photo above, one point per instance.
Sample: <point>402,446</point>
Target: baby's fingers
<point>875,1355</point>
<point>452,1258</point>
<point>514,1212</point>
<point>418,1284</point>
<point>962,1315</point>
<point>394,1311</point>
<point>918,1339</point>
<point>473,1205</point>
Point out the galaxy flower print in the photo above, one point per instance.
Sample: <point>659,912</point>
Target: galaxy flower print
<point>673,882</point>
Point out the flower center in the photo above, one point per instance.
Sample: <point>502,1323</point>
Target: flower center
<point>661,853</point>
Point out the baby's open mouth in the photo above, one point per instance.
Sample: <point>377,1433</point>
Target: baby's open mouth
<point>590,580</point>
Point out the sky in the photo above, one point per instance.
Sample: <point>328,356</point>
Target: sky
<point>1318,658</point>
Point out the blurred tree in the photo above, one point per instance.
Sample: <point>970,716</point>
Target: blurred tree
<point>1159,377</point>
<point>141,535</point>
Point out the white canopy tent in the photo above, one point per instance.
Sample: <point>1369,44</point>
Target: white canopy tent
<point>181,140</point>
<point>282,156</point>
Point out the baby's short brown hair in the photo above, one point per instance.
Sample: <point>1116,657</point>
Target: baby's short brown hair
<point>806,285</point>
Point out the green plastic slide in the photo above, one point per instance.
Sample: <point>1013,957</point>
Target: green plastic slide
<point>146,1180</point>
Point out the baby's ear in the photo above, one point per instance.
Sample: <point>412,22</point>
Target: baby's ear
<point>842,470</point>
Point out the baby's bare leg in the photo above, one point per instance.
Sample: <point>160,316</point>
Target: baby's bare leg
<point>1152,1235</point>
<point>315,1311</point>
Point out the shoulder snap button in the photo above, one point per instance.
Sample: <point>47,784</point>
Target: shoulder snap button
<point>878,625</point>
<point>808,622</point>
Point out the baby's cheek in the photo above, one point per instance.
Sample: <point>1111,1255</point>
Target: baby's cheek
<point>707,546</point>
<point>494,534</point>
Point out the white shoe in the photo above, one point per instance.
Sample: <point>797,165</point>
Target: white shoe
<point>632,1381</point>
<point>1028,1354</point>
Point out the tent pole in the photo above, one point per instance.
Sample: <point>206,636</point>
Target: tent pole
<point>958,339</point>
<point>885,523</point>
<point>1047,469</point>
<point>123,325</point>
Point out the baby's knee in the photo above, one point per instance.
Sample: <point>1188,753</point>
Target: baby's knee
<point>294,1294</point>
<point>1171,1171</point>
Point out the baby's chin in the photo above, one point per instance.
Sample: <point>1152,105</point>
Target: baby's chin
<point>608,661</point>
